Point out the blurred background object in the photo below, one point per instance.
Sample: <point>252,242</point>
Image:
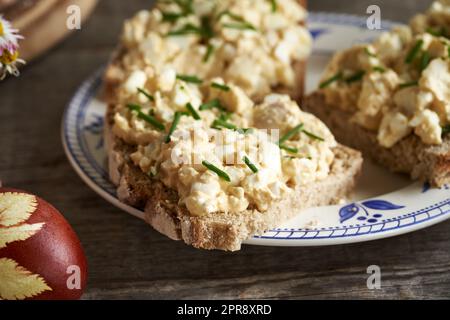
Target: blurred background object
<point>42,22</point>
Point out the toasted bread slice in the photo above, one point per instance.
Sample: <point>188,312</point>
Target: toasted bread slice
<point>221,230</point>
<point>410,155</point>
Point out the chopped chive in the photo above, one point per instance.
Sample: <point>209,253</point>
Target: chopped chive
<point>435,32</point>
<point>224,115</point>
<point>289,149</point>
<point>424,60</point>
<point>145,93</point>
<point>206,30</point>
<point>250,164</point>
<point>185,6</point>
<point>356,77</point>
<point>414,51</point>
<point>218,123</point>
<point>146,117</point>
<point>290,134</point>
<point>219,86</point>
<point>379,69</point>
<point>408,84</point>
<point>370,54</point>
<point>239,26</point>
<point>209,52</point>
<point>329,81</point>
<point>231,15</point>
<point>274,5</point>
<point>150,119</point>
<point>313,136</point>
<point>174,125</point>
<point>215,103</point>
<point>189,78</point>
<point>213,168</point>
<point>446,129</point>
<point>192,111</point>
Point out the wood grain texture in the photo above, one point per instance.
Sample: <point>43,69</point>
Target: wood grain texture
<point>127,259</point>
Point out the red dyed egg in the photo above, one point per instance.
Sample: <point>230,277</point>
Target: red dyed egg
<point>40,254</point>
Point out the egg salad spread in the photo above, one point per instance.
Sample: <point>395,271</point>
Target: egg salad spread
<point>198,105</point>
<point>399,84</point>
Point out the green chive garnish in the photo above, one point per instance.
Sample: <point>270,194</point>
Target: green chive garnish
<point>290,134</point>
<point>446,129</point>
<point>239,26</point>
<point>145,93</point>
<point>313,136</point>
<point>334,78</point>
<point>206,31</point>
<point>171,16</point>
<point>134,107</point>
<point>250,164</point>
<point>414,52</point>
<point>289,149</point>
<point>209,52</point>
<point>219,86</point>
<point>189,78</point>
<point>356,77</point>
<point>225,115</point>
<point>215,103</point>
<point>274,5</point>
<point>150,119</point>
<point>192,111</point>
<point>174,125</point>
<point>379,69</point>
<point>424,60</point>
<point>218,123</point>
<point>146,117</point>
<point>231,15</point>
<point>213,168</point>
<point>185,30</point>
<point>185,6</point>
<point>408,84</point>
<point>437,32</point>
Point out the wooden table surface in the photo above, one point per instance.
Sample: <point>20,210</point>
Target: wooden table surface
<point>127,259</point>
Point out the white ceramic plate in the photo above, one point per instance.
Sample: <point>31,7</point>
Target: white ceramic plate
<point>384,204</point>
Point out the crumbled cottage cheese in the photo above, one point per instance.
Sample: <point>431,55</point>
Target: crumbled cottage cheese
<point>195,103</point>
<point>400,84</point>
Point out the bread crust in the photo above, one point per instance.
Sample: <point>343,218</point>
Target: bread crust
<point>410,155</point>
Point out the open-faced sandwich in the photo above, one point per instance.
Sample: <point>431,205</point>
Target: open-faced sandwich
<point>391,98</point>
<point>203,131</point>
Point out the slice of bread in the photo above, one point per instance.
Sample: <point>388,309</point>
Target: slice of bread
<point>220,230</point>
<point>410,155</point>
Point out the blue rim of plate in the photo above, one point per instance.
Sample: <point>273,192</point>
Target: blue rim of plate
<point>92,173</point>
